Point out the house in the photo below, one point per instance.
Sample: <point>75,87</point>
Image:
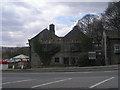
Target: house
<point>70,46</point>
<point>111,46</point>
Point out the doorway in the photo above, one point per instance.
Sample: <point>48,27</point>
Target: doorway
<point>66,60</point>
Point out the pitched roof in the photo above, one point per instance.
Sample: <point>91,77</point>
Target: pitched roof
<point>74,34</point>
<point>43,31</point>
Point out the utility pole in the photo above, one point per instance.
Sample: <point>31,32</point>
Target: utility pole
<point>105,48</point>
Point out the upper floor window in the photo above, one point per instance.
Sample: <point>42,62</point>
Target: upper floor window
<point>117,48</point>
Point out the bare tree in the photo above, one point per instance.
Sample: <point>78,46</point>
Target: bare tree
<point>86,23</point>
<point>112,16</point>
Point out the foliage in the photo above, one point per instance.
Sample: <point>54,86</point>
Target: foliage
<point>9,52</point>
<point>86,23</point>
<point>86,44</point>
<point>83,60</point>
<point>112,16</point>
<point>97,26</point>
<point>45,51</point>
<point>92,26</point>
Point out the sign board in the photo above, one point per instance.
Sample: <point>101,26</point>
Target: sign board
<point>92,55</point>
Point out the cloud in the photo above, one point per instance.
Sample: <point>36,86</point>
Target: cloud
<point>23,20</point>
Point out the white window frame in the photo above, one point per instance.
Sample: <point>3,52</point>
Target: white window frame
<point>116,48</point>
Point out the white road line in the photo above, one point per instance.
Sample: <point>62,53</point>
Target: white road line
<point>18,81</point>
<point>51,82</point>
<point>108,71</point>
<point>77,72</point>
<point>101,82</point>
<point>89,72</point>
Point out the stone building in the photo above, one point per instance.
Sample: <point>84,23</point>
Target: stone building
<point>70,46</point>
<point>111,46</point>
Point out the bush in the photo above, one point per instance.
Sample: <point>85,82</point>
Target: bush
<point>83,60</point>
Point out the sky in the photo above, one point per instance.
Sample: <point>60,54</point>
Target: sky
<point>22,20</point>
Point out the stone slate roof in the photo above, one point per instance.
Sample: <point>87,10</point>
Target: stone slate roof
<point>75,34</point>
<point>46,35</point>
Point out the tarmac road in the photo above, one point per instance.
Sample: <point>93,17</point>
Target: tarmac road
<point>45,80</point>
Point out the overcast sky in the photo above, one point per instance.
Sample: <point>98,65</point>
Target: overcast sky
<point>23,20</point>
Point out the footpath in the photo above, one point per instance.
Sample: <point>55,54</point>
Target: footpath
<point>67,69</point>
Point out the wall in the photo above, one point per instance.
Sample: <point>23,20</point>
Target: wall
<point>3,66</point>
<point>113,57</point>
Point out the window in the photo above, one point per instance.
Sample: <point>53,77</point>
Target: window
<point>57,60</point>
<point>75,47</point>
<point>117,48</point>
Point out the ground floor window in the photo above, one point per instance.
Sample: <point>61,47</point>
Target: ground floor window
<point>57,60</point>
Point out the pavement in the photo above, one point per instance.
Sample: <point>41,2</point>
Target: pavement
<point>66,69</point>
<point>88,80</point>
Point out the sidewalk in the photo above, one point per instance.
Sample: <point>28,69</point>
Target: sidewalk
<point>67,69</point>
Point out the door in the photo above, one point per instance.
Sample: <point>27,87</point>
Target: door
<point>66,60</point>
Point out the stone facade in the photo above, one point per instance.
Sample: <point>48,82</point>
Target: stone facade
<point>111,47</point>
<point>70,46</point>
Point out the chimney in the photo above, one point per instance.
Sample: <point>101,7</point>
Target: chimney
<point>52,28</point>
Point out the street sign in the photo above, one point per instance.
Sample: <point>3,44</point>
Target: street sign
<point>92,55</point>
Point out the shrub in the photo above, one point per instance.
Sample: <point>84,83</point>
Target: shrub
<point>83,60</point>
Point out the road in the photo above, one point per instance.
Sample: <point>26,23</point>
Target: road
<point>34,80</point>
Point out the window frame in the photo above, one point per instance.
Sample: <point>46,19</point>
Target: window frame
<point>57,59</point>
<point>116,48</point>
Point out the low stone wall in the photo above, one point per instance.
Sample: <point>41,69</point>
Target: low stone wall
<point>3,66</point>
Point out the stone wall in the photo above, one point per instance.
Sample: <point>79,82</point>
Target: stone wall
<point>113,57</point>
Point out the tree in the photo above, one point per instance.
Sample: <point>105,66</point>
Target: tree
<point>85,23</point>
<point>97,31</point>
<point>111,18</point>
<point>83,60</point>
<point>86,43</point>
<point>9,52</point>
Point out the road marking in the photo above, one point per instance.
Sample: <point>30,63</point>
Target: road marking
<point>51,82</point>
<point>55,72</point>
<point>101,82</point>
<point>76,72</point>
<point>108,71</point>
<point>18,81</point>
<point>89,72</point>
<point>33,73</point>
